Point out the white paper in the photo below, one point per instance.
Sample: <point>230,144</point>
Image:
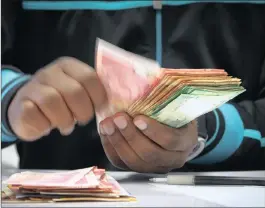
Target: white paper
<point>230,196</point>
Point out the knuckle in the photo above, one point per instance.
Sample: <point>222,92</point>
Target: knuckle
<point>88,76</point>
<point>50,97</point>
<point>28,108</point>
<point>44,75</point>
<point>40,74</point>
<point>65,60</point>
<point>76,92</point>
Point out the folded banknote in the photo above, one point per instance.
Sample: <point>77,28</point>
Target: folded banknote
<point>89,184</point>
<point>175,97</point>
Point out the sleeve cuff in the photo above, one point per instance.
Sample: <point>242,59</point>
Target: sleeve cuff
<point>202,138</point>
<point>11,83</point>
<point>226,139</point>
<point>198,149</point>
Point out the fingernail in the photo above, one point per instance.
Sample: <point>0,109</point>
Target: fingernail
<point>108,129</point>
<point>120,122</point>
<point>140,124</point>
<point>67,131</point>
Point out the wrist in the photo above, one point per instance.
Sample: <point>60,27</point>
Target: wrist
<point>9,90</point>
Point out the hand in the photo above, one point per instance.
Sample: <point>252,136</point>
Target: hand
<point>145,145</point>
<point>62,93</point>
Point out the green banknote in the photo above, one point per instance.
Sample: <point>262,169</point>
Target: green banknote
<point>190,104</point>
<point>197,90</point>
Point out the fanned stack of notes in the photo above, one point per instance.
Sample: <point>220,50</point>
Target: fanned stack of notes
<point>175,97</point>
<point>89,184</point>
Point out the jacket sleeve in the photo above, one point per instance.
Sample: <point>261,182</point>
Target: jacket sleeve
<point>236,135</point>
<point>12,78</point>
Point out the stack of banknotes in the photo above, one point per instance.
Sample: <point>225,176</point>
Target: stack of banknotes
<point>174,97</point>
<point>89,184</point>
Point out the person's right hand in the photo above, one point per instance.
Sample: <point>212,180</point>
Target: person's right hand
<point>59,95</point>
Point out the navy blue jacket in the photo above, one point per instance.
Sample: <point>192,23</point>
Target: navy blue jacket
<point>181,34</point>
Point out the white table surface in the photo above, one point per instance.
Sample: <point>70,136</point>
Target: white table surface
<point>146,193</point>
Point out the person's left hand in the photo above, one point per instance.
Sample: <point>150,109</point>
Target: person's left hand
<point>145,145</point>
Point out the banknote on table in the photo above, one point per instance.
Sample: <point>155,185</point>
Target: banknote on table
<point>174,97</point>
<point>89,184</point>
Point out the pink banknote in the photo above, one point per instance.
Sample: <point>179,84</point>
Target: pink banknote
<point>125,76</point>
<point>83,178</point>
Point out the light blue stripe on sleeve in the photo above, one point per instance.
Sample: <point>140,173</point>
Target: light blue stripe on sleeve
<point>217,123</point>
<point>7,76</point>
<point>93,5</point>
<point>6,136</point>
<point>183,2</point>
<point>254,134</point>
<point>19,80</point>
<point>117,5</point>
<point>232,138</point>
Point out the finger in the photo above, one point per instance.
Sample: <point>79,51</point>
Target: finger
<point>124,151</point>
<point>143,146</point>
<point>167,137</point>
<point>51,103</point>
<point>87,77</point>
<point>111,153</point>
<point>33,123</point>
<point>73,93</point>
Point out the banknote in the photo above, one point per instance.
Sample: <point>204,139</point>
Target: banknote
<point>196,72</point>
<point>89,184</point>
<point>188,107</point>
<point>83,178</point>
<point>125,76</point>
<point>164,85</point>
<point>174,84</point>
<point>187,90</point>
<point>138,85</point>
